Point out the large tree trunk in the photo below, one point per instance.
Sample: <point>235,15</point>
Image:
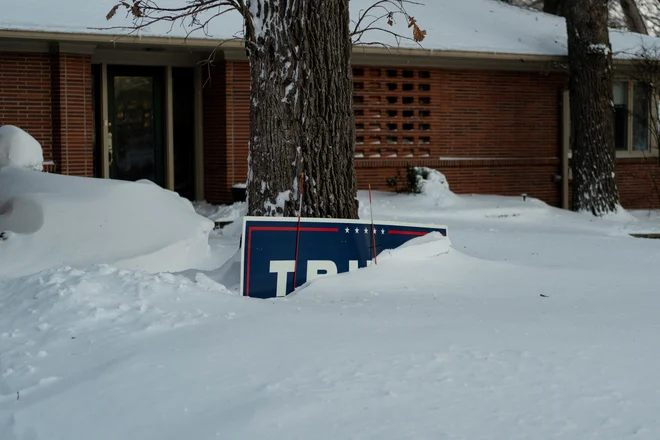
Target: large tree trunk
<point>301,108</point>
<point>634,18</point>
<point>592,115</point>
<point>553,7</point>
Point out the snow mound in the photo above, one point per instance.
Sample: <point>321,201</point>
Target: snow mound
<point>221,213</point>
<point>50,220</point>
<point>427,246</point>
<point>620,216</point>
<point>434,185</point>
<point>18,148</point>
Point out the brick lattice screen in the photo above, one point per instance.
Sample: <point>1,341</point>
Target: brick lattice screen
<point>393,109</point>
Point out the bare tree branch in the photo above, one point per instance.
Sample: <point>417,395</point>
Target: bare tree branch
<point>386,10</point>
<point>634,18</point>
<point>196,16</point>
<point>193,15</point>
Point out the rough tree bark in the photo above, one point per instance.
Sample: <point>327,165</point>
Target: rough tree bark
<point>592,116</point>
<point>634,18</point>
<point>301,108</point>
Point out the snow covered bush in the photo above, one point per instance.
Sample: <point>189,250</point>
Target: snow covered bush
<point>18,148</point>
<point>431,183</point>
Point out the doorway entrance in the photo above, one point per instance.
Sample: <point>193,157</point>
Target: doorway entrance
<point>135,124</point>
<point>146,126</point>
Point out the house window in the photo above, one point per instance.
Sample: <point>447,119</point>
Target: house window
<point>631,116</point>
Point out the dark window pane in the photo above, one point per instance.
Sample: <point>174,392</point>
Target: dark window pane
<point>183,89</point>
<point>134,137</point>
<point>621,115</point>
<point>641,109</point>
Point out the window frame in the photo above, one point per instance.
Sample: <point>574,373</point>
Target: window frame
<point>652,119</point>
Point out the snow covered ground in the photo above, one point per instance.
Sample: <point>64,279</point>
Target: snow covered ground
<point>538,323</point>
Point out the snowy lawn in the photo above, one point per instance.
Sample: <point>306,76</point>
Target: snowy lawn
<point>537,324</point>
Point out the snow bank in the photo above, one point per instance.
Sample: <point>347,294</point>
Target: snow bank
<point>221,213</point>
<point>428,246</point>
<point>18,148</point>
<point>49,220</point>
<point>531,326</point>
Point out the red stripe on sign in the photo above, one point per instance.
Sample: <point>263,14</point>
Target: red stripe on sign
<point>249,245</point>
<point>420,233</point>
<point>286,228</point>
<point>273,228</point>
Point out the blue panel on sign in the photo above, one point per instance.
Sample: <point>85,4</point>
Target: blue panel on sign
<point>325,247</point>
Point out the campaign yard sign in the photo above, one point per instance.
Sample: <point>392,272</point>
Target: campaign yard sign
<point>325,247</point>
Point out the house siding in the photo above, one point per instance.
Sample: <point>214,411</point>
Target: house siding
<point>72,112</point>
<point>489,132</point>
<point>639,182</point>
<point>25,95</point>
<point>49,95</point>
<point>511,119</point>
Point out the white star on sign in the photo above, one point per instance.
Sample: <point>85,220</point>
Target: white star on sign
<point>366,230</point>
<point>347,230</point>
<point>357,230</point>
<point>382,231</point>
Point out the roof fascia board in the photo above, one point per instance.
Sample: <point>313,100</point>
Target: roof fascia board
<point>233,50</point>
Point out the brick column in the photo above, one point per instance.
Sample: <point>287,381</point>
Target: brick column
<point>73,122</point>
<point>215,135</point>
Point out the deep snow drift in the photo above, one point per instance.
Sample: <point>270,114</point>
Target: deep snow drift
<point>533,323</point>
<point>50,220</point>
<point>18,148</point>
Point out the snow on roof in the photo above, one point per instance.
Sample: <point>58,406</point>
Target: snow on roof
<point>486,26</point>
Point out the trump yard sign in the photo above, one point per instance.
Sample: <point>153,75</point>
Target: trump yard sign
<point>277,250</point>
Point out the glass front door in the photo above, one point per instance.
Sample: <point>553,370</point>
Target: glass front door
<point>135,110</point>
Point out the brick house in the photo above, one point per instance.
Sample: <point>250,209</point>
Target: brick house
<point>484,101</point>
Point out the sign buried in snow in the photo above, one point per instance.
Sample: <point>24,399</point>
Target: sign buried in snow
<point>323,247</point>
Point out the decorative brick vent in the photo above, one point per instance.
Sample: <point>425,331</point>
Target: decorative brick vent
<point>392,112</point>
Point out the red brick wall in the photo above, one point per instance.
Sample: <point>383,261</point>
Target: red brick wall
<point>238,121</point>
<point>511,117</point>
<point>465,113</point>
<point>534,177</point>
<point>25,95</point>
<point>49,95</point>
<point>226,97</point>
<point>639,183</point>
<point>73,125</point>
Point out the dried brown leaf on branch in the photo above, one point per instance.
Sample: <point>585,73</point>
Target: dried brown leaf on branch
<point>112,12</point>
<point>418,34</point>
<point>390,18</point>
<point>134,8</point>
